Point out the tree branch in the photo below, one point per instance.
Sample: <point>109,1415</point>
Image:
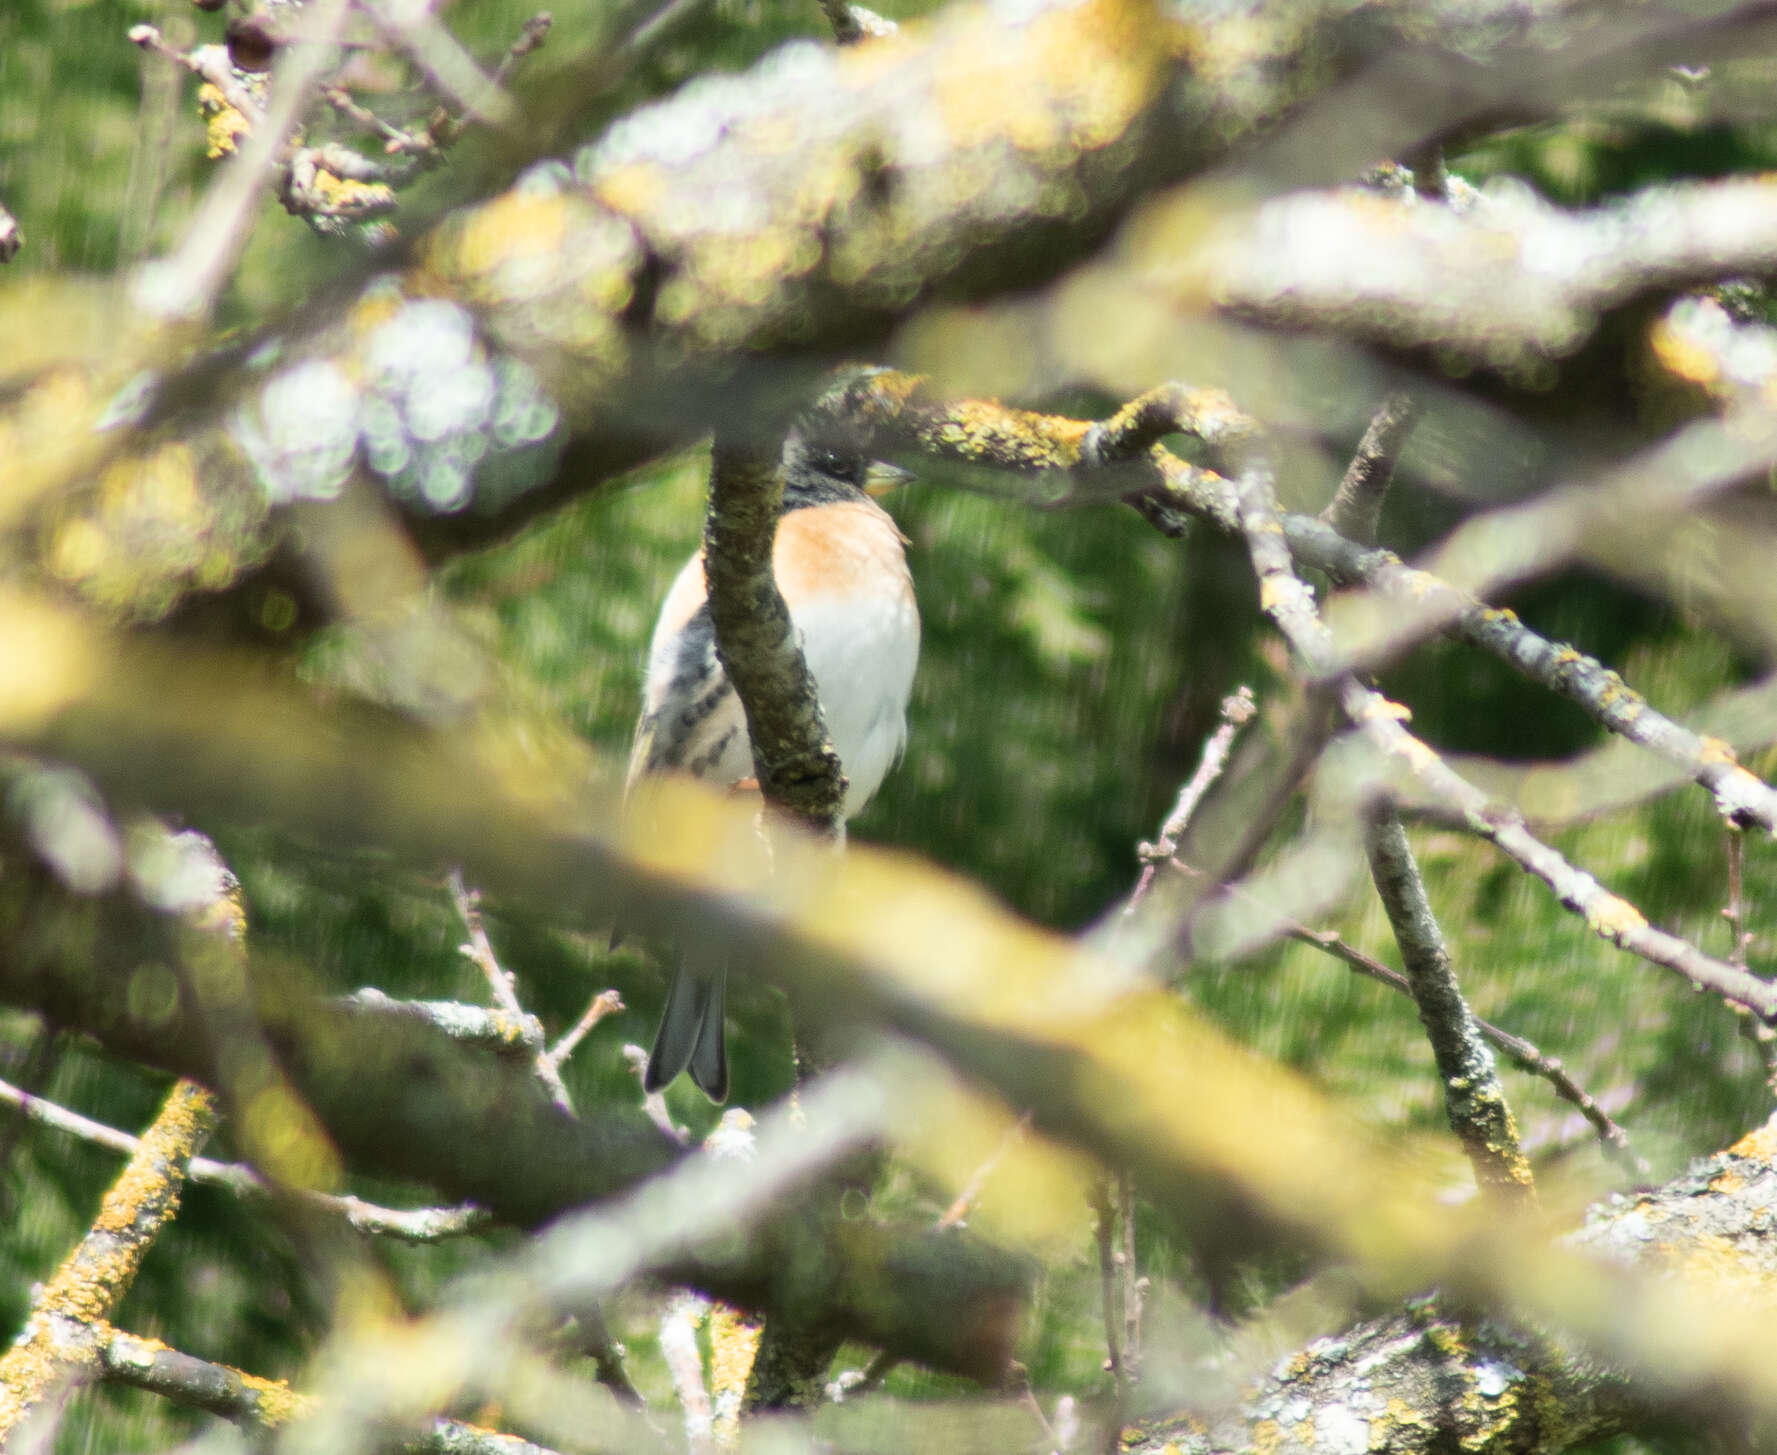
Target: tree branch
<point>62,1340</point>
<point>795,762</point>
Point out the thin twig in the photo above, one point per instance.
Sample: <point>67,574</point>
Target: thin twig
<point>1525,1054</point>
<point>606,1002</point>
<point>1104,1234</point>
<point>186,285</point>
<point>1762,1035</point>
<point>1735,910</point>
<point>264,1404</point>
<point>411,1225</point>
<point>653,1102</point>
<point>678,1347</point>
<point>531,35</point>
<point>1237,711</point>
<point>480,950</point>
<point>1135,1286</point>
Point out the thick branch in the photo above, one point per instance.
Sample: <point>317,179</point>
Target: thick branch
<point>398,1098</point>
<point>796,765</point>
<point>1474,1099</point>
<point>1425,1379</point>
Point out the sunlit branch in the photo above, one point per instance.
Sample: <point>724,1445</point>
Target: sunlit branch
<point>63,1338</point>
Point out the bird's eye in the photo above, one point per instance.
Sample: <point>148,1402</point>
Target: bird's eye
<point>831,462</point>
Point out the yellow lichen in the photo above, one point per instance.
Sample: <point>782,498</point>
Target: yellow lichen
<point>224,125</point>
<point>1715,750</point>
<point>278,1403</point>
<point>734,1345</point>
<point>1614,918</point>
<point>348,196</point>
<point>1681,355</point>
<point>1758,1145</point>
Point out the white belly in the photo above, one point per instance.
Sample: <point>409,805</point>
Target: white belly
<point>862,656</point>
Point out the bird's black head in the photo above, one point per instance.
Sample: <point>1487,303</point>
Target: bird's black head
<point>817,474</point>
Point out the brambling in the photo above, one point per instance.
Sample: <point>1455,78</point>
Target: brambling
<point>841,567</point>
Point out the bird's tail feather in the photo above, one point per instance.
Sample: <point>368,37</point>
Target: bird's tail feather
<point>690,1037</point>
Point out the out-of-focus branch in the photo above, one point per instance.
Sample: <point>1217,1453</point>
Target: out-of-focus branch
<point>1290,605</point>
<point>63,1339</point>
<point>410,1225</point>
<point>1706,759</point>
<point>480,1127</point>
<point>895,412</point>
<point>1417,1379</point>
<point>1501,277</point>
<point>1238,1153</point>
<point>11,239</point>
<point>1356,507</point>
<point>624,299</point>
<point>1515,544</point>
<point>675,1221</point>
<point>267,1404</point>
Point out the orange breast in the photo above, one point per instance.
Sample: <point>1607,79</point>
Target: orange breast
<point>831,550</point>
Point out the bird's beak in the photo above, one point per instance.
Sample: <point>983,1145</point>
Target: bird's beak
<point>880,477</point>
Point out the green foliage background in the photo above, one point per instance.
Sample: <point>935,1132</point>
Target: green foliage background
<point>1071,667</point>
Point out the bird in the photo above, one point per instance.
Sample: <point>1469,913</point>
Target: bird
<point>841,567</point>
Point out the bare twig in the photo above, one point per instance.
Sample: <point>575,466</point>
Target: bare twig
<point>1135,1286</point>
<point>606,1002</point>
<point>481,951</point>
<point>1237,710</point>
<point>1120,457</point>
<point>653,1102</point>
<point>208,63</point>
<point>531,36</point>
<point>1611,1136</point>
<point>267,1404</point>
<point>186,285</point>
<point>417,1225</point>
<point>495,1029</point>
<point>1104,1232</point>
<point>1356,508</point>
<point>1761,1033</point>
